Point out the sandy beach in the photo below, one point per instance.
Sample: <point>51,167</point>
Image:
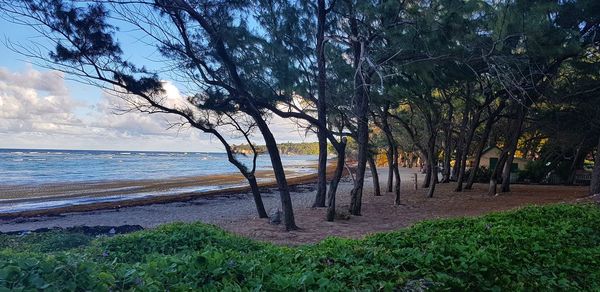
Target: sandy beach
<point>58,198</point>
<point>234,210</point>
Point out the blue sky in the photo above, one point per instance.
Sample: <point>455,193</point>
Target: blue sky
<point>44,109</point>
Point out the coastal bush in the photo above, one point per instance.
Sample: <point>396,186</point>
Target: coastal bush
<point>53,240</point>
<point>535,248</point>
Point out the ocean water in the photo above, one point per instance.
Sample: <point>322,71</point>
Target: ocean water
<point>27,166</point>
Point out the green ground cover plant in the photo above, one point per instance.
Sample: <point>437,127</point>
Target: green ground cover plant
<point>554,247</point>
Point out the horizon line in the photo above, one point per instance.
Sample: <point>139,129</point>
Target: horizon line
<point>110,150</point>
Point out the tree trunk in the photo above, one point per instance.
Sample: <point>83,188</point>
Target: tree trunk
<point>448,145</point>
<point>361,108</point>
<point>356,194</point>
<point>457,163</point>
<point>496,173</point>
<point>321,105</point>
<point>260,207</point>
<point>432,160</point>
<point>397,177</point>
<point>390,157</point>
<point>447,156</point>
<point>595,183</point>
<point>339,170</point>
<point>506,170</point>
<point>479,151</point>
<point>462,145</point>
<point>278,170</point>
<point>249,175</point>
<point>434,173</point>
<point>322,172</point>
<point>516,133</point>
<point>465,152</point>
<point>374,175</point>
<point>578,160</point>
<point>427,179</point>
<point>392,151</point>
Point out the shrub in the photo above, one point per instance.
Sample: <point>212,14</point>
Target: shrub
<point>535,171</point>
<point>53,240</point>
<point>534,248</point>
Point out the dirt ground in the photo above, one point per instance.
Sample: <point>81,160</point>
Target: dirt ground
<point>380,214</point>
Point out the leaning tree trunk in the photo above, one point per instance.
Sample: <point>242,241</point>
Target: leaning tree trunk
<point>321,106</point>
<point>339,170</point>
<point>578,160</point>
<point>249,175</point>
<point>433,182</point>
<point>479,151</point>
<point>356,193</point>
<point>260,207</point>
<point>510,156</point>
<point>465,153</point>
<point>595,183</point>
<point>496,173</point>
<point>392,151</point>
<point>257,116</point>
<point>397,177</point>
<point>374,175</point>
<point>433,169</point>
<point>278,170</point>
<point>516,133</point>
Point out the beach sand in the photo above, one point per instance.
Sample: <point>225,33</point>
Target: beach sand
<point>16,200</point>
<point>235,210</point>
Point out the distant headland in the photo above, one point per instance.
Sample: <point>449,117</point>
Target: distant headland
<point>305,148</point>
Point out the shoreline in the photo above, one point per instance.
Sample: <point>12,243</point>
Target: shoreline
<point>236,211</point>
<point>94,196</point>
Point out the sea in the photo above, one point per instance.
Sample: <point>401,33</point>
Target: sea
<point>34,179</point>
<point>40,166</point>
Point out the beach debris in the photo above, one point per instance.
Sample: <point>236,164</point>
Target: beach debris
<point>275,217</point>
<point>112,231</point>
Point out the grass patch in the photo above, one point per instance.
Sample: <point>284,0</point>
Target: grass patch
<point>534,248</point>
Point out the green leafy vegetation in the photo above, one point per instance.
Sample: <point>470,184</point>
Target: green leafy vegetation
<point>45,242</point>
<point>534,248</point>
<point>307,148</point>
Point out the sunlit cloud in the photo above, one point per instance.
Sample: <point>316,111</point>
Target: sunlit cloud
<point>38,111</point>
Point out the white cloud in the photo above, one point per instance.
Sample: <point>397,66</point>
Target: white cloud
<point>50,81</point>
<point>37,111</point>
<point>23,109</point>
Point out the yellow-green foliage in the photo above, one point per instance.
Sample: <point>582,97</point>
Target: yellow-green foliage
<point>308,148</point>
<point>534,248</point>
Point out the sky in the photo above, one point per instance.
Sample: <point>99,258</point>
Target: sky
<point>45,109</point>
